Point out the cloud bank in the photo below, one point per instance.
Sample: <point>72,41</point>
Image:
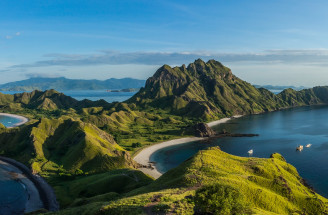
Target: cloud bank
<point>278,67</point>
<point>309,57</point>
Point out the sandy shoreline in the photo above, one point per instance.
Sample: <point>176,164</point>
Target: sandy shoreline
<point>22,119</point>
<point>143,157</point>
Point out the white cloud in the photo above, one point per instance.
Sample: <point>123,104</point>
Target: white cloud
<point>279,67</point>
<point>8,37</point>
<point>108,57</point>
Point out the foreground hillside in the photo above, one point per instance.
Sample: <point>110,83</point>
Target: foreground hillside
<point>214,182</point>
<point>71,154</point>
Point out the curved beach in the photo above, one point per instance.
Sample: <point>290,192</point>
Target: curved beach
<point>22,119</point>
<point>143,157</point>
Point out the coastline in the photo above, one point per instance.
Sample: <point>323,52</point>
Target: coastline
<point>22,119</point>
<point>143,157</point>
<point>39,191</point>
<point>34,201</point>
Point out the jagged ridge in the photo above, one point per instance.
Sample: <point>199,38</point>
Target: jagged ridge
<point>66,144</point>
<point>210,90</point>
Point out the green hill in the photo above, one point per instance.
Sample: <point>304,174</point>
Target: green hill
<point>83,148</point>
<point>62,83</point>
<point>214,182</point>
<point>64,145</point>
<point>210,91</point>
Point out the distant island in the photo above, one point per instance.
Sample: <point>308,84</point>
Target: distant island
<point>62,84</point>
<point>275,87</point>
<point>126,90</point>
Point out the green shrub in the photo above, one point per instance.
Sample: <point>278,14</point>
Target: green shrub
<point>136,145</point>
<point>220,200</point>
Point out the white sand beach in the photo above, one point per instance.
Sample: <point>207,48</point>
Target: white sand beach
<point>224,120</point>
<point>22,119</point>
<point>143,157</point>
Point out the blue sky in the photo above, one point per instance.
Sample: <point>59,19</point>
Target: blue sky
<point>282,42</point>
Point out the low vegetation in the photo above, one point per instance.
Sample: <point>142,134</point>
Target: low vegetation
<point>214,182</point>
<point>84,148</point>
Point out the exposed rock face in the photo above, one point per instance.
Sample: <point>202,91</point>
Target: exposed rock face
<point>203,130</point>
<point>209,90</point>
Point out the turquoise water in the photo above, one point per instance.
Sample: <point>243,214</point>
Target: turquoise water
<point>9,121</point>
<point>13,195</point>
<point>280,132</point>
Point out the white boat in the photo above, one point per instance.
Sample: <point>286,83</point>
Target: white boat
<point>250,152</point>
<point>308,145</point>
<point>299,148</point>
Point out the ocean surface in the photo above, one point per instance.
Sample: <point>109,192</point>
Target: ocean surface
<point>9,121</point>
<point>92,95</point>
<point>13,194</point>
<point>280,131</point>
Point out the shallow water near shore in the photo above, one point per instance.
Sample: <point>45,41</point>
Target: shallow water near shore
<point>9,121</point>
<point>280,132</point>
<point>13,193</point>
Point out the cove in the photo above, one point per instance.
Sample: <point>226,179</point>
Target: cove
<point>279,131</point>
<point>8,121</point>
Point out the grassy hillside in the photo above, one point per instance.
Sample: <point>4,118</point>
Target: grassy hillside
<point>215,182</point>
<point>78,159</point>
<point>65,145</point>
<point>210,91</point>
<point>62,83</point>
<point>83,148</point>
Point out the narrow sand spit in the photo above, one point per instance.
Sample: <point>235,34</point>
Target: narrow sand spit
<point>143,157</point>
<point>22,119</point>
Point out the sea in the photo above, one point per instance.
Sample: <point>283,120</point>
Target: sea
<point>13,194</point>
<point>9,121</point>
<point>280,131</point>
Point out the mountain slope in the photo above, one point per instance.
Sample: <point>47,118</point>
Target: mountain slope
<point>64,145</point>
<point>210,91</point>
<point>45,100</point>
<point>62,83</point>
<point>202,89</point>
<point>214,182</point>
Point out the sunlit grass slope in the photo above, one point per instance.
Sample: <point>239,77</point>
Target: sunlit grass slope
<point>64,146</point>
<point>262,186</point>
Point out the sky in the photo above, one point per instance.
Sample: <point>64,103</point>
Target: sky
<point>281,42</point>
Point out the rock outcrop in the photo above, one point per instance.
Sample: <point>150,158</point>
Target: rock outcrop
<point>203,130</point>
